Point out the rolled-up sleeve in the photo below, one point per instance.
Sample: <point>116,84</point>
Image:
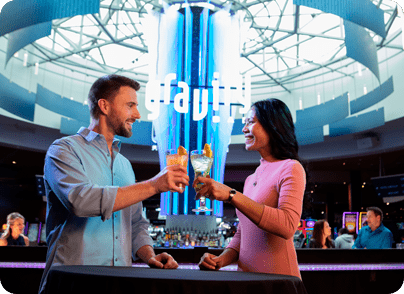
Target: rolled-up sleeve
<point>140,233</point>
<point>69,181</point>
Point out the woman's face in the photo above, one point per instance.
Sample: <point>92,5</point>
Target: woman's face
<point>18,226</point>
<point>256,138</point>
<point>327,229</point>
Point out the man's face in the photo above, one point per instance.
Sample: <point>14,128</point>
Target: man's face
<point>124,112</point>
<point>373,220</point>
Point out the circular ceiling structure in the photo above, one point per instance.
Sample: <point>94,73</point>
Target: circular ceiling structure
<point>284,43</point>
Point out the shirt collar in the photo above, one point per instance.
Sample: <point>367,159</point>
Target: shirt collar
<point>91,135</point>
<point>380,228</point>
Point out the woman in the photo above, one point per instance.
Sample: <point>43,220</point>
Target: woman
<point>270,206</point>
<point>13,235</point>
<point>321,235</point>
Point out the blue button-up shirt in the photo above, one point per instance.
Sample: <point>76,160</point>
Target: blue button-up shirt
<point>81,182</point>
<point>380,238</point>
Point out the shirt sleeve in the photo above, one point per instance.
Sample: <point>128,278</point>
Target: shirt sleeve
<point>387,241</point>
<point>283,220</point>
<point>68,180</point>
<point>140,233</point>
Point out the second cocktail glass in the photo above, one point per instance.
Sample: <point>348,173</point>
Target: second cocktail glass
<point>202,165</point>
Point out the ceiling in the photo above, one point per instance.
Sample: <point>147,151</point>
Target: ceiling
<point>284,42</point>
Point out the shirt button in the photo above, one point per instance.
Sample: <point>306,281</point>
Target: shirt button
<point>116,237</point>
<point>116,259</point>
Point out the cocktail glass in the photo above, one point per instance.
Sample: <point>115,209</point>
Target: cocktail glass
<point>172,158</point>
<point>201,164</point>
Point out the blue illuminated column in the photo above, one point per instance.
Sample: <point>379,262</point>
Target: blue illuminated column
<point>194,89</point>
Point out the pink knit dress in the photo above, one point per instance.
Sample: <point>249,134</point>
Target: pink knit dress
<point>268,247</point>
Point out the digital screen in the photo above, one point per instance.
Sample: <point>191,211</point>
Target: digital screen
<point>390,186</point>
<point>309,234</point>
<point>43,234</point>
<point>364,218</point>
<point>33,231</point>
<point>350,221</point>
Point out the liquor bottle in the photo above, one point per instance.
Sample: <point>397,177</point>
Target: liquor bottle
<point>186,243</point>
<point>192,239</point>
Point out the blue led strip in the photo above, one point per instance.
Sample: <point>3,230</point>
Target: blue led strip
<point>22,37</point>
<point>19,14</point>
<point>373,97</point>
<point>361,12</point>
<point>16,99</point>
<point>360,47</point>
<point>360,123</point>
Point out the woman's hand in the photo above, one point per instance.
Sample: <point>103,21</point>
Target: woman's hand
<point>211,189</point>
<point>210,262</point>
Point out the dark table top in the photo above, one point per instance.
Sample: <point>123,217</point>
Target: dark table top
<point>104,279</point>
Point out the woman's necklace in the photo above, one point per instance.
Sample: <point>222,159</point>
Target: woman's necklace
<point>256,176</point>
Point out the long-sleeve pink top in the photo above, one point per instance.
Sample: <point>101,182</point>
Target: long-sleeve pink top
<point>268,247</point>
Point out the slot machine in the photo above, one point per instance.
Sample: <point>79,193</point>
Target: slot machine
<point>363,217</point>
<point>350,221</point>
<point>33,233</point>
<point>309,228</point>
<point>299,236</point>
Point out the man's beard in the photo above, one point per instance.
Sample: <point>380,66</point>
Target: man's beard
<point>119,127</point>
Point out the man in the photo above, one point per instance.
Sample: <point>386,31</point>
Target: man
<point>94,208</point>
<point>345,239</point>
<point>375,235</point>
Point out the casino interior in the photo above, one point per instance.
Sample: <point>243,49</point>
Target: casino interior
<point>336,64</point>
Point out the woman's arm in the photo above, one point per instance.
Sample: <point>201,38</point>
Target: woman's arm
<point>282,220</point>
<point>213,262</point>
<point>3,242</point>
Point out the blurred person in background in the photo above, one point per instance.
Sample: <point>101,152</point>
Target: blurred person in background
<point>345,239</point>
<point>321,235</point>
<point>375,235</point>
<point>13,235</point>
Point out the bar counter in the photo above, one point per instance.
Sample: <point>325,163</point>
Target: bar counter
<point>323,270</point>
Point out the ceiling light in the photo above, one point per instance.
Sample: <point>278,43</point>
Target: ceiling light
<point>25,59</point>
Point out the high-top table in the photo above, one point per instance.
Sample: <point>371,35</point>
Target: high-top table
<point>114,280</point>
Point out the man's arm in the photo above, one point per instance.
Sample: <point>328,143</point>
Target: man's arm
<point>167,180</point>
<point>163,260</point>
<point>387,241</point>
<point>357,244</point>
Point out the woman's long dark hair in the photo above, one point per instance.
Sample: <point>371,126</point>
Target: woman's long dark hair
<point>277,121</point>
<point>275,118</point>
<point>318,231</point>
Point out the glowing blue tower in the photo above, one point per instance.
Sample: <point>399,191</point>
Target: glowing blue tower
<point>194,88</point>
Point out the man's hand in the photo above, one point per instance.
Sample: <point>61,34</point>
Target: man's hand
<point>163,261</point>
<point>169,179</point>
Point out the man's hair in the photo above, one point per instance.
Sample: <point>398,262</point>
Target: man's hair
<point>107,87</point>
<point>377,211</point>
<point>343,231</point>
